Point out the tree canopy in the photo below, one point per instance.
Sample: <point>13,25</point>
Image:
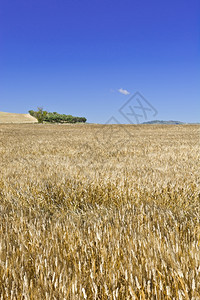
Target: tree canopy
<point>54,117</point>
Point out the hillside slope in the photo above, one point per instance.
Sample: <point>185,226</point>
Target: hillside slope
<point>16,118</point>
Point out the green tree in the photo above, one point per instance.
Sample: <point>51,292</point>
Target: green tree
<point>40,115</point>
<point>32,113</point>
<point>53,117</point>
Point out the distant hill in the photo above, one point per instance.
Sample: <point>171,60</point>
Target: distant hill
<point>16,118</point>
<point>164,122</point>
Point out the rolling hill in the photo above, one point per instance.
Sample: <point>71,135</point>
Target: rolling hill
<point>171,122</point>
<point>16,118</point>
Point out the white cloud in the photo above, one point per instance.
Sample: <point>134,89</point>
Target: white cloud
<point>124,92</point>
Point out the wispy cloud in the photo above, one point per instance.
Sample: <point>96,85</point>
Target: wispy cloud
<point>124,92</point>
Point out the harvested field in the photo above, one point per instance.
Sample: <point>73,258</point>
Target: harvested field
<point>99,212</point>
<point>16,118</point>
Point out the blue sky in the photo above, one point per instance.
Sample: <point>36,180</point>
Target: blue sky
<point>88,57</point>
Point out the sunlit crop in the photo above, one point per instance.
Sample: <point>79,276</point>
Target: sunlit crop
<point>99,212</point>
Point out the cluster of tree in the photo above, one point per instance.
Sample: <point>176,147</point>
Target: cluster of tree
<point>44,116</point>
<point>62,118</point>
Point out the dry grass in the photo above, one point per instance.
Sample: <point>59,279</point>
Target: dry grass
<point>16,118</point>
<point>82,219</point>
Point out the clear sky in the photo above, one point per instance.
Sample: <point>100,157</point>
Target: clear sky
<point>88,57</point>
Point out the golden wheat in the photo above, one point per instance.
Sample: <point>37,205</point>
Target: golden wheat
<point>16,118</point>
<point>99,212</point>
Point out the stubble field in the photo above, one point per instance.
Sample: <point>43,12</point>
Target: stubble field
<point>99,212</point>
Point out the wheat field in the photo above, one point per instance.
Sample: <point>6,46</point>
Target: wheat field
<point>16,118</point>
<point>99,212</point>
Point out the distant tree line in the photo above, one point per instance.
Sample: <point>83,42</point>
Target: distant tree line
<point>53,117</point>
